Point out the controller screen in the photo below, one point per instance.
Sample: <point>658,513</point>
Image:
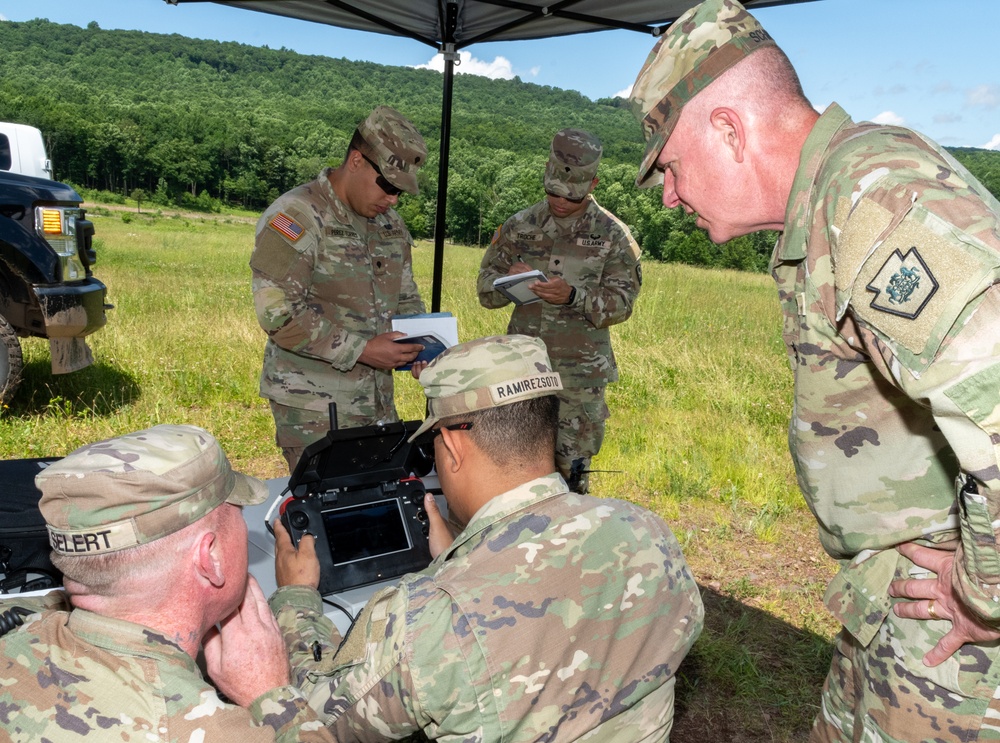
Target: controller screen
<point>362,532</point>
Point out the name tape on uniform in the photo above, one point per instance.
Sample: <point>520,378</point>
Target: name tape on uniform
<point>107,538</point>
<point>527,387</point>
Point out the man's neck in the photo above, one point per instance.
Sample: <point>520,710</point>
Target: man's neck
<point>782,163</point>
<point>172,619</point>
<point>491,481</point>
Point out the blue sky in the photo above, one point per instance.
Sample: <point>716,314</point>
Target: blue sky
<point>932,65</point>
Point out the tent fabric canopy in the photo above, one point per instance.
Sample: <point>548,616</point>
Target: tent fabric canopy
<point>465,22</point>
<point>450,25</point>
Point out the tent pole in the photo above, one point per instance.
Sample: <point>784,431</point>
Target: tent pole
<point>442,193</point>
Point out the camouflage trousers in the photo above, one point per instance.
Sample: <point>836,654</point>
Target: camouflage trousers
<point>884,693</point>
<point>295,429</point>
<point>582,412</point>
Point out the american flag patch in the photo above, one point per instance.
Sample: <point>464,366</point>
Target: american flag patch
<point>286,226</point>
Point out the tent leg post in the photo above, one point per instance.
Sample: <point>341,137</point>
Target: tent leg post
<point>442,192</point>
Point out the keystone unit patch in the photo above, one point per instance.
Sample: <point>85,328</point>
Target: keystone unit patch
<point>903,286</point>
<point>287,226</point>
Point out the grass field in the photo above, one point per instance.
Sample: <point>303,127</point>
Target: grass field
<point>698,434</point>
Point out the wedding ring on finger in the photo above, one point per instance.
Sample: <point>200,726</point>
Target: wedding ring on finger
<point>930,610</point>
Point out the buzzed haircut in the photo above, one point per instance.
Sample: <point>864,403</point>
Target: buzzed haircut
<point>518,432</point>
<point>104,574</point>
<point>357,143</point>
<point>775,67</point>
<point>767,76</point>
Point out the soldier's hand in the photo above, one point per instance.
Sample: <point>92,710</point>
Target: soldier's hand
<point>245,656</point>
<point>381,352</point>
<point>936,598</point>
<point>418,366</point>
<point>440,537</point>
<point>295,567</point>
<point>553,291</point>
<point>519,267</point>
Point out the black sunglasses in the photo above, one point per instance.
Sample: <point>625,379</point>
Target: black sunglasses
<point>390,190</point>
<point>559,196</point>
<point>453,427</point>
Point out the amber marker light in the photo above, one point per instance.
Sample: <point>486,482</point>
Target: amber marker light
<point>52,221</point>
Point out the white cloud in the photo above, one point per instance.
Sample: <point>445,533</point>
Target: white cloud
<point>624,93</point>
<point>987,96</point>
<point>993,144</point>
<point>499,69</point>
<point>534,71</point>
<point>3,17</point>
<point>889,117</point>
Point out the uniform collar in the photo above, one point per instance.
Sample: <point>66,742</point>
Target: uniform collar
<point>798,214</point>
<point>502,506</point>
<point>126,638</point>
<point>573,225</point>
<point>341,211</point>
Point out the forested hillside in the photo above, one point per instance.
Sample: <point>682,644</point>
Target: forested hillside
<point>201,123</point>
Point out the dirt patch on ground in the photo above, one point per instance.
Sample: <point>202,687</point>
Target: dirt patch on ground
<point>756,672</point>
<point>154,210</point>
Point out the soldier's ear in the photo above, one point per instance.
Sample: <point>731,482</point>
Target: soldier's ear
<point>728,126</point>
<point>355,160</point>
<point>454,450</point>
<point>208,559</point>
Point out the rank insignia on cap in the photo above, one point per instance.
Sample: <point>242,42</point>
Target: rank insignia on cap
<point>286,226</point>
<point>903,286</point>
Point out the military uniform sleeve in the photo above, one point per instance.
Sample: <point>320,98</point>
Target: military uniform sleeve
<point>409,296</point>
<point>392,675</point>
<point>286,711</point>
<point>612,302</point>
<point>308,633</point>
<point>926,292</point>
<point>362,690</point>
<point>962,387</point>
<point>496,263</point>
<point>282,275</point>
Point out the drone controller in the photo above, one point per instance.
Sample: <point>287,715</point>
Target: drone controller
<point>363,536</point>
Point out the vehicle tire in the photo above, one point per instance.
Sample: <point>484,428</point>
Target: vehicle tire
<point>10,360</point>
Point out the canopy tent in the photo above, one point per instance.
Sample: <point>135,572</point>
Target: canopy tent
<point>450,25</point>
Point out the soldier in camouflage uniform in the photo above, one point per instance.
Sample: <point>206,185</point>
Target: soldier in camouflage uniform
<point>887,273</point>
<point>331,268</point>
<point>552,616</point>
<point>592,266</point>
<point>148,532</point>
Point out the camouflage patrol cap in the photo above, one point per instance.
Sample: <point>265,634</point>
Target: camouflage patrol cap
<point>572,166</point>
<point>703,43</point>
<point>396,145</point>
<point>486,373</point>
<point>136,488</point>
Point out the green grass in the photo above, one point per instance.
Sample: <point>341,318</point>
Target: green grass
<point>698,430</point>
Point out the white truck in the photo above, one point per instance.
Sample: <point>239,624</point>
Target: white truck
<point>22,150</point>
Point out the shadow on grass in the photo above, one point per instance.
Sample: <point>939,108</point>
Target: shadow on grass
<point>98,390</point>
<point>749,678</point>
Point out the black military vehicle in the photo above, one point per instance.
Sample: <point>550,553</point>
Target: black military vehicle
<point>47,289</point>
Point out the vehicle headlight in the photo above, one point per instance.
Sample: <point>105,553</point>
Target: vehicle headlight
<point>57,224</point>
